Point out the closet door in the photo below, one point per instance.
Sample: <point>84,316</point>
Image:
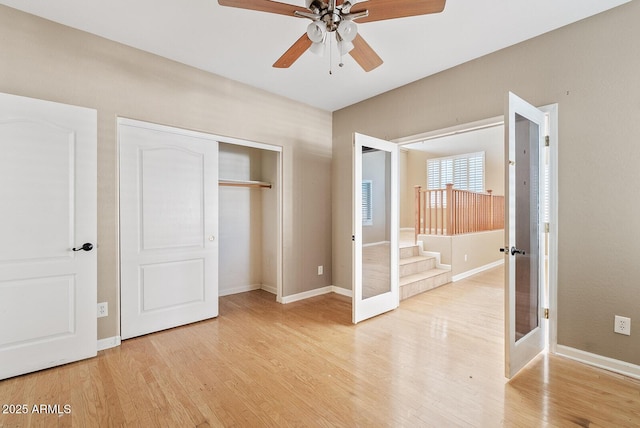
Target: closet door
<point>168,227</point>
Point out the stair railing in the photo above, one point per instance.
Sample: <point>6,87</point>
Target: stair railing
<point>451,211</point>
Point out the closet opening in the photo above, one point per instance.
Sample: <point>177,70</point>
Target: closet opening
<point>250,231</point>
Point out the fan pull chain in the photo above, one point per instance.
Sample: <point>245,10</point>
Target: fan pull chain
<point>330,57</point>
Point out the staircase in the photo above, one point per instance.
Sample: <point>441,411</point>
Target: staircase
<point>419,273</point>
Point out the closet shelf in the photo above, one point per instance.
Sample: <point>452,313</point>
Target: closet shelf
<point>244,183</point>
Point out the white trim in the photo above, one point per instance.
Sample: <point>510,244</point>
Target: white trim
<point>194,133</point>
<point>109,342</point>
<point>435,254</point>
<point>239,289</point>
<point>342,291</point>
<point>371,244</point>
<point>307,294</point>
<point>552,113</point>
<point>606,363</point>
<point>269,289</point>
<point>316,292</point>
<point>471,272</point>
<point>452,130</point>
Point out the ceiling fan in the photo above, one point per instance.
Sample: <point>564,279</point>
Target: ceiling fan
<point>339,17</point>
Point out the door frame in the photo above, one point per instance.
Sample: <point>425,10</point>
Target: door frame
<point>551,111</point>
<point>220,139</point>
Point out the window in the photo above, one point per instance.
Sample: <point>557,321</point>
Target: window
<point>465,172</point>
<point>367,203</point>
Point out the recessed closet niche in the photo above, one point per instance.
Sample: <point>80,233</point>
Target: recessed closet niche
<point>248,219</point>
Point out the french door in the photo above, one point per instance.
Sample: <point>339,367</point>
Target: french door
<point>376,226</point>
<point>48,230</point>
<point>168,227</point>
<point>525,291</point>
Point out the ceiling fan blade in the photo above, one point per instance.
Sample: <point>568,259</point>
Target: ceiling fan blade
<point>294,52</point>
<point>364,55</point>
<point>380,10</point>
<point>264,6</point>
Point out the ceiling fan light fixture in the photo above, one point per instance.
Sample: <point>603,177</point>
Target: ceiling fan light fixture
<point>316,31</point>
<point>318,48</point>
<point>348,30</point>
<point>344,47</point>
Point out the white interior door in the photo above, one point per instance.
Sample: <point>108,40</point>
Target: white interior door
<point>525,298</point>
<point>376,226</point>
<point>168,227</point>
<point>48,207</point>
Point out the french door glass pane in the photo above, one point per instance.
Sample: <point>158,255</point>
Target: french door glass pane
<point>527,201</point>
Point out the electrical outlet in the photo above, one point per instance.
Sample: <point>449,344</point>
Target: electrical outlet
<point>622,325</point>
<point>320,270</point>
<point>103,309</point>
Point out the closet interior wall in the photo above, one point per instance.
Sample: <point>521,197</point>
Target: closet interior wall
<point>247,220</point>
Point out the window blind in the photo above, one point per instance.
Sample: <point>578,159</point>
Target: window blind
<point>367,203</point>
<point>465,172</point>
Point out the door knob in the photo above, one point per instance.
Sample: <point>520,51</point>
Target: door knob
<point>515,251</point>
<point>87,246</point>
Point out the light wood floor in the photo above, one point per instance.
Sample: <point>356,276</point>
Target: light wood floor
<point>434,362</point>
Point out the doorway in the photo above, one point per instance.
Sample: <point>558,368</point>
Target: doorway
<point>547,181</point>
<point>249,219</point>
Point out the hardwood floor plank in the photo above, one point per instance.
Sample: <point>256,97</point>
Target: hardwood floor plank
<point>435,361</point>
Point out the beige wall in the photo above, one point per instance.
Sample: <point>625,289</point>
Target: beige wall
<point>41,59</point>
<point>591,70</point>
<point>468,252</point>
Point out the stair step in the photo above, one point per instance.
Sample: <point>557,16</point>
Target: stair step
<point>431,273</point>
<point>417,283</point>
<point>416,264</point>
<point>411,251</point>
<point>414,259</point>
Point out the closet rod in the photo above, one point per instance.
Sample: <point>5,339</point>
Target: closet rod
<point>244,183</point>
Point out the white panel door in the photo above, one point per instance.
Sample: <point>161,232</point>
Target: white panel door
<point>525,297</point>
<point>168,227</point>
<point>376,227</point>
<point>47,208</point>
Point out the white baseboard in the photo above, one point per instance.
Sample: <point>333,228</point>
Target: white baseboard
<point>342,291</point>
<point>307,294</point>
<point>317,292</point>
<point>373,244</point>
<point>468,273</point>
<point>109,342</point>
<point>434,254</point>
<point>239,289</point>
<point>617,366</point>
<point>269,288</point>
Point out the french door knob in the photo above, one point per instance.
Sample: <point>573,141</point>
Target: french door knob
<point>515,251</point>
<point>87,246</point>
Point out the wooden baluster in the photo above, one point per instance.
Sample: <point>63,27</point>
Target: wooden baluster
<point>426,204</point>
<point>450,210</point>
<point>490,209</point>
<point>416,222</point>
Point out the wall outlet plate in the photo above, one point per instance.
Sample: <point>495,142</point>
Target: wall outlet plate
<point>622,325</point>
<point>103,309</point>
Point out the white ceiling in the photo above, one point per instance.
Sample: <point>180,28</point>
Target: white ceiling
<point>242,44</point>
